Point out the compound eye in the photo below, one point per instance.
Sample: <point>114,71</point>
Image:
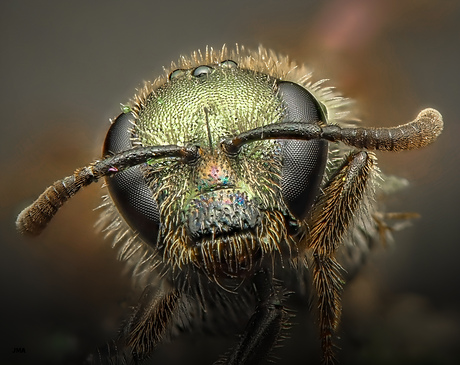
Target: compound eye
<point>229,64</point>
<point>201,71</point>
<point>128,189</point>
<point>304,162</point>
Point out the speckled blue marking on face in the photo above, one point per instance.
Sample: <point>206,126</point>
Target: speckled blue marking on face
<point>214,177</point>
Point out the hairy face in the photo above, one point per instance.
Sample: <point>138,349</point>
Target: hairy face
<point>224,211</point>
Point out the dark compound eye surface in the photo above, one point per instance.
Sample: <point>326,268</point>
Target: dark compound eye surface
<point>128,190</point>
<point>303,161</point>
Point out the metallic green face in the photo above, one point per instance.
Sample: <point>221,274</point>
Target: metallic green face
<point>219,212</point>
<point>204,104</point>
<point>223,212</point>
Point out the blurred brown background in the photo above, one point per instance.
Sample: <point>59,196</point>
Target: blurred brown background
<point>65,67</point>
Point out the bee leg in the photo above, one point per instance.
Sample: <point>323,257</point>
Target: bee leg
<point>143,331</point>
<point>264,326</point>
<point>332,215</point>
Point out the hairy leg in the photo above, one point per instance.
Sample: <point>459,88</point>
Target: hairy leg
<point>331,218</point>
<point>143,331</point>
<point>264,326</point>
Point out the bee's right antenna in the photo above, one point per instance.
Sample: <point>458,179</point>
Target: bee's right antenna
<point>33,219</point>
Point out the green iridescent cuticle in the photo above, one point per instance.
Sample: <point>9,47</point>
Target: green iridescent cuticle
<point>125,109</point>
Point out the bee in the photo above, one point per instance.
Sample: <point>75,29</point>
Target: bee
<point>230,178</point>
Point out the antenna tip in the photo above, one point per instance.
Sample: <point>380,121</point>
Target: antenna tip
<point>432,123</point>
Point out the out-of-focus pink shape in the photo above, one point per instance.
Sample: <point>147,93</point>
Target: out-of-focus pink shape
<point>351,24</point>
